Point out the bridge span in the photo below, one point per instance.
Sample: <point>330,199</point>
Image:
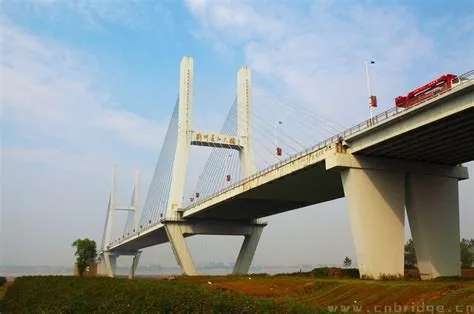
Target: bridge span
<point>400,159</point>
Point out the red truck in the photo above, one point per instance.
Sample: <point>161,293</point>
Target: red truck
<point>426,91</point>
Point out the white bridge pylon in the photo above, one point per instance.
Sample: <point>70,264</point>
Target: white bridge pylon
<point>188,137</point>
<point>106,260</point>
<point>174,223</point>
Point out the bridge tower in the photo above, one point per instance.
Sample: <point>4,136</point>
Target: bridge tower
<point>107,260</point>
<point>176,227</point>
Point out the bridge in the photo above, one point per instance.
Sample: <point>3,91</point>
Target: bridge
<point>403,158</point>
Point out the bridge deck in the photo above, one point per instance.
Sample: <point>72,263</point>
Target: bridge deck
<point>440,130</point>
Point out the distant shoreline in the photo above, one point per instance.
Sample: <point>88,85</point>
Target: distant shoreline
<point>17,271</point>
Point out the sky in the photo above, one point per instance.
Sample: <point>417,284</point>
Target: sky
<point>86,85</point>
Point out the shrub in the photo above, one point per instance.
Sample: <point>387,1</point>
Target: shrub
<point>390,277</point>
<point>3,281</point>
<point>322,272</point>
<point>56,294</point>
<point>351,273</point>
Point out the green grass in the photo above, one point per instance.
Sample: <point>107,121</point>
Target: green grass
<point>55,294</point>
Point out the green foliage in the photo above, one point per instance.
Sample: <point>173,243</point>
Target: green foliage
<point>351,273</point>
<point>410,256</point>
<point>390,277</point>
<point>347,262</point>
<point>3,281</point>
<point>322,272</point>
<point>467,253</point>
<point>59,294</point>
<point>86,252</point>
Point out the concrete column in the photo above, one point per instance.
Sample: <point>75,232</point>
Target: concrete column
<point>133,268</point>
<point>180,249</point>
<point>433,212</point>
<point>100,266</point>
<point>110,264</point>
<point>247,251</point>
<point>375,201</point>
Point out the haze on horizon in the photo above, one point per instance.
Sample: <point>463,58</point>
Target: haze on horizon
<point>86,85</point>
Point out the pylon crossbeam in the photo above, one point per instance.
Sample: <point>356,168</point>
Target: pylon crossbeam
<point>216,140</point>
<point>126,208</point>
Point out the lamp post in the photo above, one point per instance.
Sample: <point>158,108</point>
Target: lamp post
<point>278,149</point>
<point>372,99</point>
<point>228,175</point>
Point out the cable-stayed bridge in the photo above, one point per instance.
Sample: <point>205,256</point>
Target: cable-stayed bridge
<point>402,158</point>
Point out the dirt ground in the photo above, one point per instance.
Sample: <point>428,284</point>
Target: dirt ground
<point>467,273</point>
<point>321,293</point>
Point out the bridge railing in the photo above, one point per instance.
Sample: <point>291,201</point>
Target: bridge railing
<point>332,140</point>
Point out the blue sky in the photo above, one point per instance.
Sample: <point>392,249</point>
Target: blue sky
<point>89,84</point>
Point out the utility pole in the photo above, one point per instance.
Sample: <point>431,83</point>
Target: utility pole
<point>372,99</point>
<point>278,149</point>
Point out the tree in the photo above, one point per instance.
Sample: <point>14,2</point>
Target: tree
<point>467,253</point>
<point>347,262</point>
<point>410,256</point>
<point>86,252</point>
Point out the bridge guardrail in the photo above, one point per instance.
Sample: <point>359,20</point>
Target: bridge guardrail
<point>332,140</point>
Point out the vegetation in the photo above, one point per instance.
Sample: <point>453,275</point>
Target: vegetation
<point>86,252</point>
<point>58,294</point>
<point>324,273</point>
<point>347,262</point>
<point>3,288</point>
<point>410,256</point>
<point>3,281</point>
<point>467,253</point>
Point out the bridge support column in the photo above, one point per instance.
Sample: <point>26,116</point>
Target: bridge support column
<point>377,190</point>
<point>376,201</point>
<point>110,261</point>
<point>180,249</point>
<point>247,251</point>
<point>178,229</point>
<point>133,268</point>
<point>100,266</point>
<point>433,212</point>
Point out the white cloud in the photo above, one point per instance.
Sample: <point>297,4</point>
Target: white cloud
<point>48,89</point>
<point>315,53</point>
<point>95,15</point>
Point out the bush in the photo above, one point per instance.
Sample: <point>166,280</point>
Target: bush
<point>57,294</point>
<point>351,273</point>
<point>391,277</point>
<point>3,281</point>
<point>322,272</point>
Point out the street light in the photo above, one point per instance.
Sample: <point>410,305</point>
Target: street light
<point>278,149</point>
<point>372,99</point>
<point>228,177</point>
